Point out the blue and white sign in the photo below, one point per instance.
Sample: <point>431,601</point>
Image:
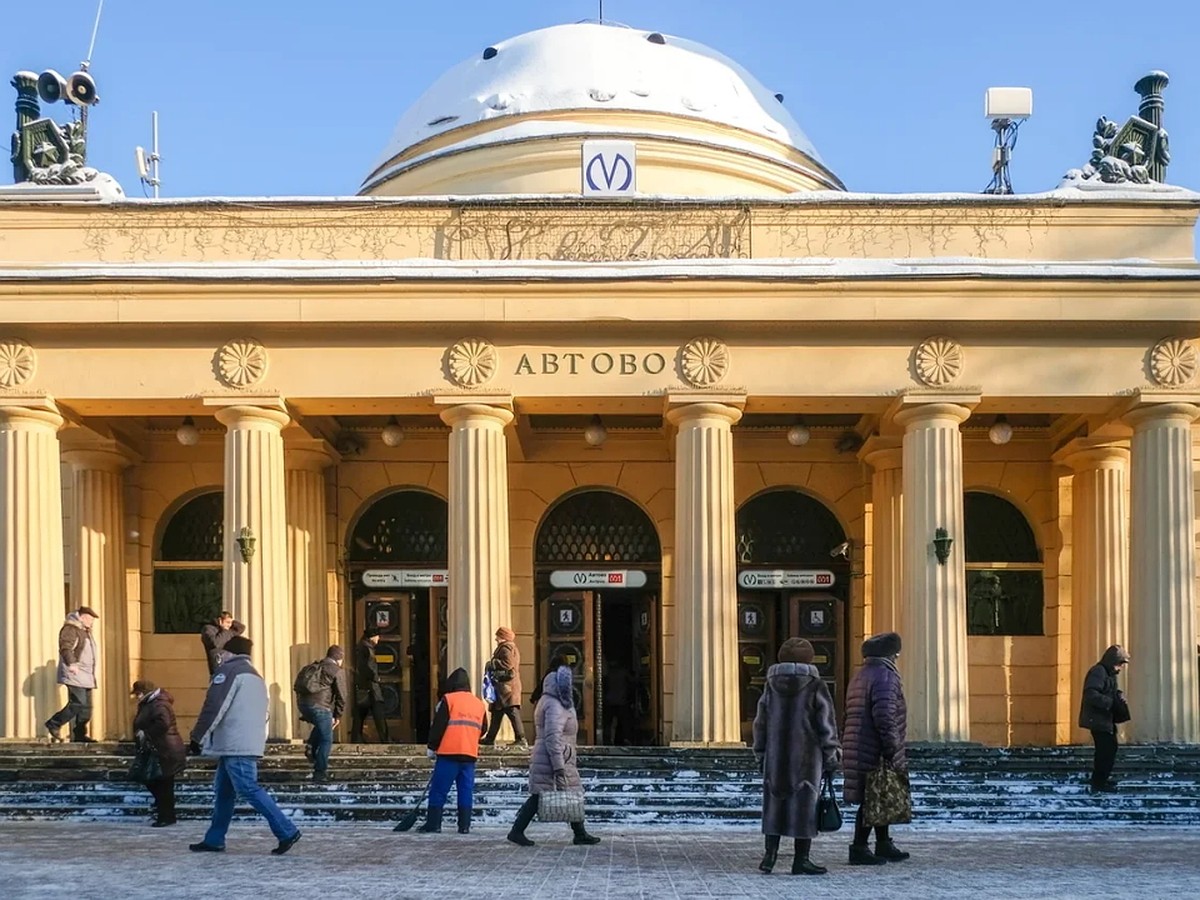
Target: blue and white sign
<point>609,169</point>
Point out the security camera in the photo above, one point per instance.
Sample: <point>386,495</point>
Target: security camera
<point>842,550</point>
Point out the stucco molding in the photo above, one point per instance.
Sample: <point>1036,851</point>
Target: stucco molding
<point>1173,362</point>
<point>18,363</point>
<point>938,361</point>
<point>704,361</point>
<point>472,362</point>
<point>242,363</point>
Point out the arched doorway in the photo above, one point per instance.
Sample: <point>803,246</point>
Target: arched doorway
<point>396,559</point>
<point>598,570</point>
<point>793,581</point>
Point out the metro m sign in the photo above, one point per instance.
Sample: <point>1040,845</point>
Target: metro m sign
<point>609,169</point>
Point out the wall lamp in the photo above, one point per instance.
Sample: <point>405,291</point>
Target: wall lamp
<point>246,540</point>
<point>187,433</point>
<point>941,545</point>
<point>595,433</point>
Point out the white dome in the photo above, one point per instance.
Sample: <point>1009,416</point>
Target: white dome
<point>592,67</point>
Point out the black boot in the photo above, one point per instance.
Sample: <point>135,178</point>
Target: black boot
<point>886,849</point>
<point>861,855</point>
<point>581,835</point>
<point>433,821</point>
<point>464,820</point>
<point>801,864</point>
<point>524,816</point>
<point>768,860</point>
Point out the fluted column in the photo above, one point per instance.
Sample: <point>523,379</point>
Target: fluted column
<point>97,569</point>
<point>933,613</point>
<point>705,571</point>
<point>479,595</point>
<point>1162,614</point>
<point>887,529</point>
<point>31,567</point>
<point>1099,553</point>
<point>306,551</point>
<point>256,590</point>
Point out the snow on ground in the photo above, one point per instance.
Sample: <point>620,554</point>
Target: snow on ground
<point>134,862</point>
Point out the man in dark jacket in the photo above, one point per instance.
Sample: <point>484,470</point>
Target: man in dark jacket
<point>458,723</point>
<point>368,692</point>
<point>77,665</point>
<point>215,635</point>
<point>322,707</point>
<point>1102,708</point>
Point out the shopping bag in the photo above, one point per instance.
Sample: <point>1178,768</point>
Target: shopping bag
<point>561,806</point>
<point>887,799</point>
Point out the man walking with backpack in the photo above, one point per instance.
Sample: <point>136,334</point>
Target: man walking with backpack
<point>321,695</point>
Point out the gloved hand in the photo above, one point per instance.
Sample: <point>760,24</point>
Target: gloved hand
<point>560,781</point>
<point>193,748</point>
<point>432,754</point>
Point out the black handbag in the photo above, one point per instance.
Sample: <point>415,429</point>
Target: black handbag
<point>146,766</point>
<point>829,814</point>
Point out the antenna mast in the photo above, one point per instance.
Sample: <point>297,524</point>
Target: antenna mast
<point>148,165</point>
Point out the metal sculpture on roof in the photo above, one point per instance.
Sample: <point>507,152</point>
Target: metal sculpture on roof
<point>1137,151</point>
<point>43,151</point>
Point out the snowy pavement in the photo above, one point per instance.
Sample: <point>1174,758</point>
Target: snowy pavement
<point>134,862</point>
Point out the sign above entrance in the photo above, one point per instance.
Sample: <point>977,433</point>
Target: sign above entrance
<point>609,168</point>
<point>774,579</point>
<point>405,578</point>
<point>598,578</point>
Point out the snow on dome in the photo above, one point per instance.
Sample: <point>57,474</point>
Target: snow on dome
<point>593,66</point>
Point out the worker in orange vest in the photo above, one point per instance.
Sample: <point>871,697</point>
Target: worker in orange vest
<point>458,723</point>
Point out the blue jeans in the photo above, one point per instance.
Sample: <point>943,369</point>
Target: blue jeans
<point>237,776</point>
<point>321,738</point>
<point>447,772</point>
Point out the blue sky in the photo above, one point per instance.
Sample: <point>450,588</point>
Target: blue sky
<point>263,97</point>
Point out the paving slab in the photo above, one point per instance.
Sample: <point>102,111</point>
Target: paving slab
<point>356,860</point>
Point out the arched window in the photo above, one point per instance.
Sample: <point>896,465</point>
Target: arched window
<point>188,563</point>
<point>1004,568</point>
<point>406,527</point>
<point>786,527</point>
<point>597,526</point>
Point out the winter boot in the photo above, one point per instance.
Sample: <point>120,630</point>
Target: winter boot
<point>581,835</point>
<point>861,855</point>
<point>801,864</point>
<point>886,849</point>
<point>768,860</point>
<point>464,820</point>
<point>433,821</point>
<point>524,816</point>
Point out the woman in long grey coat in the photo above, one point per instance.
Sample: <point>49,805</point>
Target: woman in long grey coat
<point>796,742</point>
<point>552,765</point>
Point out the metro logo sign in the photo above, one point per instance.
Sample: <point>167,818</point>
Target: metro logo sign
<point>581,579</point>
<point>775,579</point>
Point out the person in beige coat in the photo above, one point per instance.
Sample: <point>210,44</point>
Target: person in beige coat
<point>505,670</point>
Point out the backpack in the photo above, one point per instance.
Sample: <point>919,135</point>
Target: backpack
<point>309,680</point>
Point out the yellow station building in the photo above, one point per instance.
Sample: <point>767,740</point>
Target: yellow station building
<point>618,361</point>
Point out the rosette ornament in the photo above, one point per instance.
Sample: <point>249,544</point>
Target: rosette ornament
<point>472,362</point>
<point>1173,362</point>
<point>18,362</point>
<point>939,361</point>
<point>704,361</point>
<point>242,363</point>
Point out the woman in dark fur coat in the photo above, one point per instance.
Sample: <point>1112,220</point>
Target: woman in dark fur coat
<point>796,742</point>
<point>875,726</point>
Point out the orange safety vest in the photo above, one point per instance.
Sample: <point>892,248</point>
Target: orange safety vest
<point>465,727</point>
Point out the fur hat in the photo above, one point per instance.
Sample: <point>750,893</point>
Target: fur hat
<point>239,646</point>
<point>886,644</point>
<point>335,653</point>
<point>796,650</point>
<point>506,634</point>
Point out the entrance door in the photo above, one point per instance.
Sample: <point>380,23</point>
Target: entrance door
<point>627,689</point>
<point>391,615</point>
<point>568,632</point>
<point>758,642</point>
<point>820,619</point>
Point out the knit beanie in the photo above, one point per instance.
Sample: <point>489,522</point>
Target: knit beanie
<point>506,634</point>
<point>796,650</point>
<point>886,644</point>
<point>239,646</point>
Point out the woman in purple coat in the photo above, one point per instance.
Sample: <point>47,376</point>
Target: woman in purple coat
<point>876,722</point>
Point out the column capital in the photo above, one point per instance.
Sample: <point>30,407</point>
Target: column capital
<point>1084,454</point>
<point>932,412</point>
<point>308,453</point>
<point>1183,409</point>
<point>251,417</point>
<point>107,459</point>
<point>474,412</point>
<point>882,453</point>
<point>30,413</point>
<point>703,409</point>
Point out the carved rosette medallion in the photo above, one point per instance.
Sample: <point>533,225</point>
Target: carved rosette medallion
<point>242,363</point>
<point>472,362</point>
<point>18,362</point>
<point>939,361</point>
<point>704,361</point>
<point>1173,362</point>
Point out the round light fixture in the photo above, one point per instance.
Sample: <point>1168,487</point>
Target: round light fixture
<point>1000,432</point>
<point>798,435</point>
<point>393,434</point>
<point>595,434</point>
<point>187,433</point>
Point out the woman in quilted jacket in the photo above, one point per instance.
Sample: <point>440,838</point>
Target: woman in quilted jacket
<point>154,724</point>
<point>552,765</point>
<point>875,726</point>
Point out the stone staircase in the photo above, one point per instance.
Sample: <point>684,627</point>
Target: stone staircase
<point>629,786</point>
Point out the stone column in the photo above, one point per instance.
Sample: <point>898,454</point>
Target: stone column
<point>887,529</point>
<point>256,589</point>
<point>306,551</point>
<point>1099,553</point>
<point>1162,675</point>
<point>32,605</point>
<point>705,574</point>
<point>98,578</point>
<point>480,587</point>
<point>933,619</point>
